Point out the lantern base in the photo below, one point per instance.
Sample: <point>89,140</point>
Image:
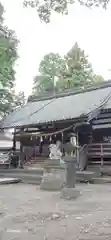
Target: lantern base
<point>53,179</point>
<point>70,193</point>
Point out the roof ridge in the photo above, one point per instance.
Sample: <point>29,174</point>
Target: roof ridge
<point>68,92</point>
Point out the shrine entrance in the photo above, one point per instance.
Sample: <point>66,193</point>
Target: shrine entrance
<point>39,145</point>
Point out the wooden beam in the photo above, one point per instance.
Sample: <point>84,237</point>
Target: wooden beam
<point>104,115</point>
<point>98,121</point>
<point>101,126</point>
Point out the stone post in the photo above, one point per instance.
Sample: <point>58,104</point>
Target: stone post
<point>53,176</point>
<point>69,191</point>
<point>70,172</point>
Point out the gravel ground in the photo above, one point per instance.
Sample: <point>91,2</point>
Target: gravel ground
<point>27,213</point>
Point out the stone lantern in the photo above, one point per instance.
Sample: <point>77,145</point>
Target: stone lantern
<point>69,191</point>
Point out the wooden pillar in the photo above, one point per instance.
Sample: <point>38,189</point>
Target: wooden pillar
<point>21,158</point>
<point>14,140</point>
<point>40,148</point>
<point>102,157</point>
<point>77,149</point>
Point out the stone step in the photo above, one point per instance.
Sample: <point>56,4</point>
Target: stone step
<point>25,178</point>
<point>33,161</point>
<point>22,175</point>
<point>23,171</point>
<point>86,175</point>
<point>31,181</point>
<point>4,180</point>
<point>34,175</point>
<point>102,180</point>
<point>106,170</point>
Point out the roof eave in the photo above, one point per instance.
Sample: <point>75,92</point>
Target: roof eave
<point>75,120</point>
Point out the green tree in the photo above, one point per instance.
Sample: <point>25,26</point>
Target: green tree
<point>98,78</point>
<point>46,7</point>
<point>41,84</point>
<point>49,72</point>
<point>6,99</point>
<point>19,100</point>
<point>78,70</point>
<point>8,55</point>
<point>72,71</point>
<point>10,101</point>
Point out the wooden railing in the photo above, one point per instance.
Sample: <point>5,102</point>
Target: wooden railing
<point>101,152</point>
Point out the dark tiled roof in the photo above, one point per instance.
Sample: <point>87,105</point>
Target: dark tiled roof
<point>67,106</point>
<point>21,114</point>
<point>108,104</point>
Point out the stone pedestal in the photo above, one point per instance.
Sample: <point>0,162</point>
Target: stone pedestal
<point>70,172</point>
<point>54,176</point>
<point>69,191</point>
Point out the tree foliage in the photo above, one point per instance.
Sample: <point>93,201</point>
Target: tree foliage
<point>57,73</point>
<point>9,101</point>
<point>8,55</point>
<point>19,100</point>
<point>45,7</point>
<point>6,98</point>
<point>49,71</point>
<point>41,84</point>
<point>98,78</point>
<point>78,70</point>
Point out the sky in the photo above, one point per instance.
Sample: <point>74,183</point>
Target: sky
<point>89,27</point>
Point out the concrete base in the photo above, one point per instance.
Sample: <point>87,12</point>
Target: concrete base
<point>70,193</point>
<point>106,170</point>
<point>53,181</point>
<point>102,180</point>
<point>86,176</point>
<point>9,180</point>
<point>31,176</point>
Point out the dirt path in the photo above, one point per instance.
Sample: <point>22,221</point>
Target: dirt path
<point>27,213</point>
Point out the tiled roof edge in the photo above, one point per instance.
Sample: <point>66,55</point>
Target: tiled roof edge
<point>69,92</point>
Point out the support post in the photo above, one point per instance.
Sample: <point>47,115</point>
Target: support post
<point>14,140</point>
<point>77,150</point>
<point>102,154</point>
<point>21,158</point>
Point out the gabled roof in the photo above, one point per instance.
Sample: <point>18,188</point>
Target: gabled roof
<point>68,105</point>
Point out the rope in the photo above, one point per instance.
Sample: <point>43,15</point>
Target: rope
<point>46,134</point>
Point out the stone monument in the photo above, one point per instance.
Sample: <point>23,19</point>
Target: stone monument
<point>54,170</point>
